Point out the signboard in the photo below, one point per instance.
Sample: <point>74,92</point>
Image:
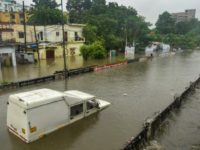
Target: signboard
<point>130,52</point>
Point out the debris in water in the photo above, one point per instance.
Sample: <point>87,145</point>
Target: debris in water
<point>125,94</point>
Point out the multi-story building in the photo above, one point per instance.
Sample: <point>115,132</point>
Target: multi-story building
<point>52,37</point>
<point>10,6</point>
<point>49,37</point>
<point>12,17</point>
<point>188,15</point>
<point>11,12</point>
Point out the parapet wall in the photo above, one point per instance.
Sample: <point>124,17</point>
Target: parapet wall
<point>152,124</point>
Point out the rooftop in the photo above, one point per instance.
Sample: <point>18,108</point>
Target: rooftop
<point>79,95</point>
<point>36,98</point>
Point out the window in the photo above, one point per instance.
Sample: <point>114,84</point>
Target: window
<point>41,36</point>
<point>57,33</point>
<point>92,104</point>
<point>76,36</point>
<point>21,35</point>
<point>76,110</point>
<point>66,36</point>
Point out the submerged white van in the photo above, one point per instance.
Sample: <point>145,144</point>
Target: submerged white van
<point>34,114</point>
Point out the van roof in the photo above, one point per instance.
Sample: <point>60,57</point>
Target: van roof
<point>79,95</point>
<point>36,98</point>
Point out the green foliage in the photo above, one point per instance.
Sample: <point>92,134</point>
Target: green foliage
<point>165,23</point>
<point>180,41</point>
<point>90,33</point>
<point>109,22</point>
<point>85,51</point>
<point>45,12</point>
<point>185,35</point>
<point>185,27</point>
<point>95,51</point>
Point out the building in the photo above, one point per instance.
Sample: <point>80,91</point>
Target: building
<point>7,53</point>
<point>188,15</point>
<point>12,17</point>
<point>49,37</point>
<point>14,33</point>
<point>11,12</point>
<point>10,6</point>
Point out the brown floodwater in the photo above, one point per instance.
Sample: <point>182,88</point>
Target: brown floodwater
<point>181,129</point>
<point>135,91</point>
<point>48,67</point>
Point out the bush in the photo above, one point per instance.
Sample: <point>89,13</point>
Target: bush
<point>85,51</point>
<point>95,50</point>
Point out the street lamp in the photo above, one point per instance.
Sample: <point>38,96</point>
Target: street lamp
<point>24,22</point>
<point>63,33</point>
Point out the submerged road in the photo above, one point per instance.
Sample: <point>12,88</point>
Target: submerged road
<point>183,126</point>
<point>136,91</point>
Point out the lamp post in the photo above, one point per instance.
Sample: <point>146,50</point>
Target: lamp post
<point>24,22</point>
<point>63,42</point>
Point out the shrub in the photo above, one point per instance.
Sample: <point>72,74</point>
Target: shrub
<point>95,51</point>
<point>85,51</point>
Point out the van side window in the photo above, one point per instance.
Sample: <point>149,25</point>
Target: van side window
<point>76,110</point>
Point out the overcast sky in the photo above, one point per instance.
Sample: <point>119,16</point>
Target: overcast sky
<point>150,9</point>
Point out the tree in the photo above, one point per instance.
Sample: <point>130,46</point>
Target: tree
<point>186,26</point>
<point>85,51</point>
<point>45,12</point>
<point>95,51</point>
<point>89,32</point>
<point>165,23</point>
<point>109,23</point>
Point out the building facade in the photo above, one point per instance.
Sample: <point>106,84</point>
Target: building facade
<point>10,6</point>
<point>188,15</point>
<point>49,38</point>
<point>12,17</point>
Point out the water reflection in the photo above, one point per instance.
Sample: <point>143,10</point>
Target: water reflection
<point>60,139</point>
<point>149,86</point>
<point>182,127</point>
<point>47,67</point>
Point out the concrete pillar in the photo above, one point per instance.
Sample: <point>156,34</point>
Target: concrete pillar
<point>14,59</point>
<point>15,73</point>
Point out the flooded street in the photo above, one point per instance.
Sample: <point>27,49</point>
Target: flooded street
<point>135,91</point>
<point>48,67</point>
<point>183,126</point>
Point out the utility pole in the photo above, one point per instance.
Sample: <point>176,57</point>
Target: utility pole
<point>24,17</point>
<point>63,42</point>
<point>36,40</point>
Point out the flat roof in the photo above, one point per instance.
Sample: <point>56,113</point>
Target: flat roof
<point>79,94</point>
<point>36,98</point>
<point>71,100</point>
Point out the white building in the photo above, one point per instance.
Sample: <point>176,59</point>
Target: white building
<point>49,37</point>
<point>54,34</point>
<point>10,6</point>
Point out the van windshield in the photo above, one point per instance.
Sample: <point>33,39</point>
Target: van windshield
<point>92,104</point>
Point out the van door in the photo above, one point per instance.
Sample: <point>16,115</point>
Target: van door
<point>17,121</point>
<point>91,107</point>
<point>76,112</point>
